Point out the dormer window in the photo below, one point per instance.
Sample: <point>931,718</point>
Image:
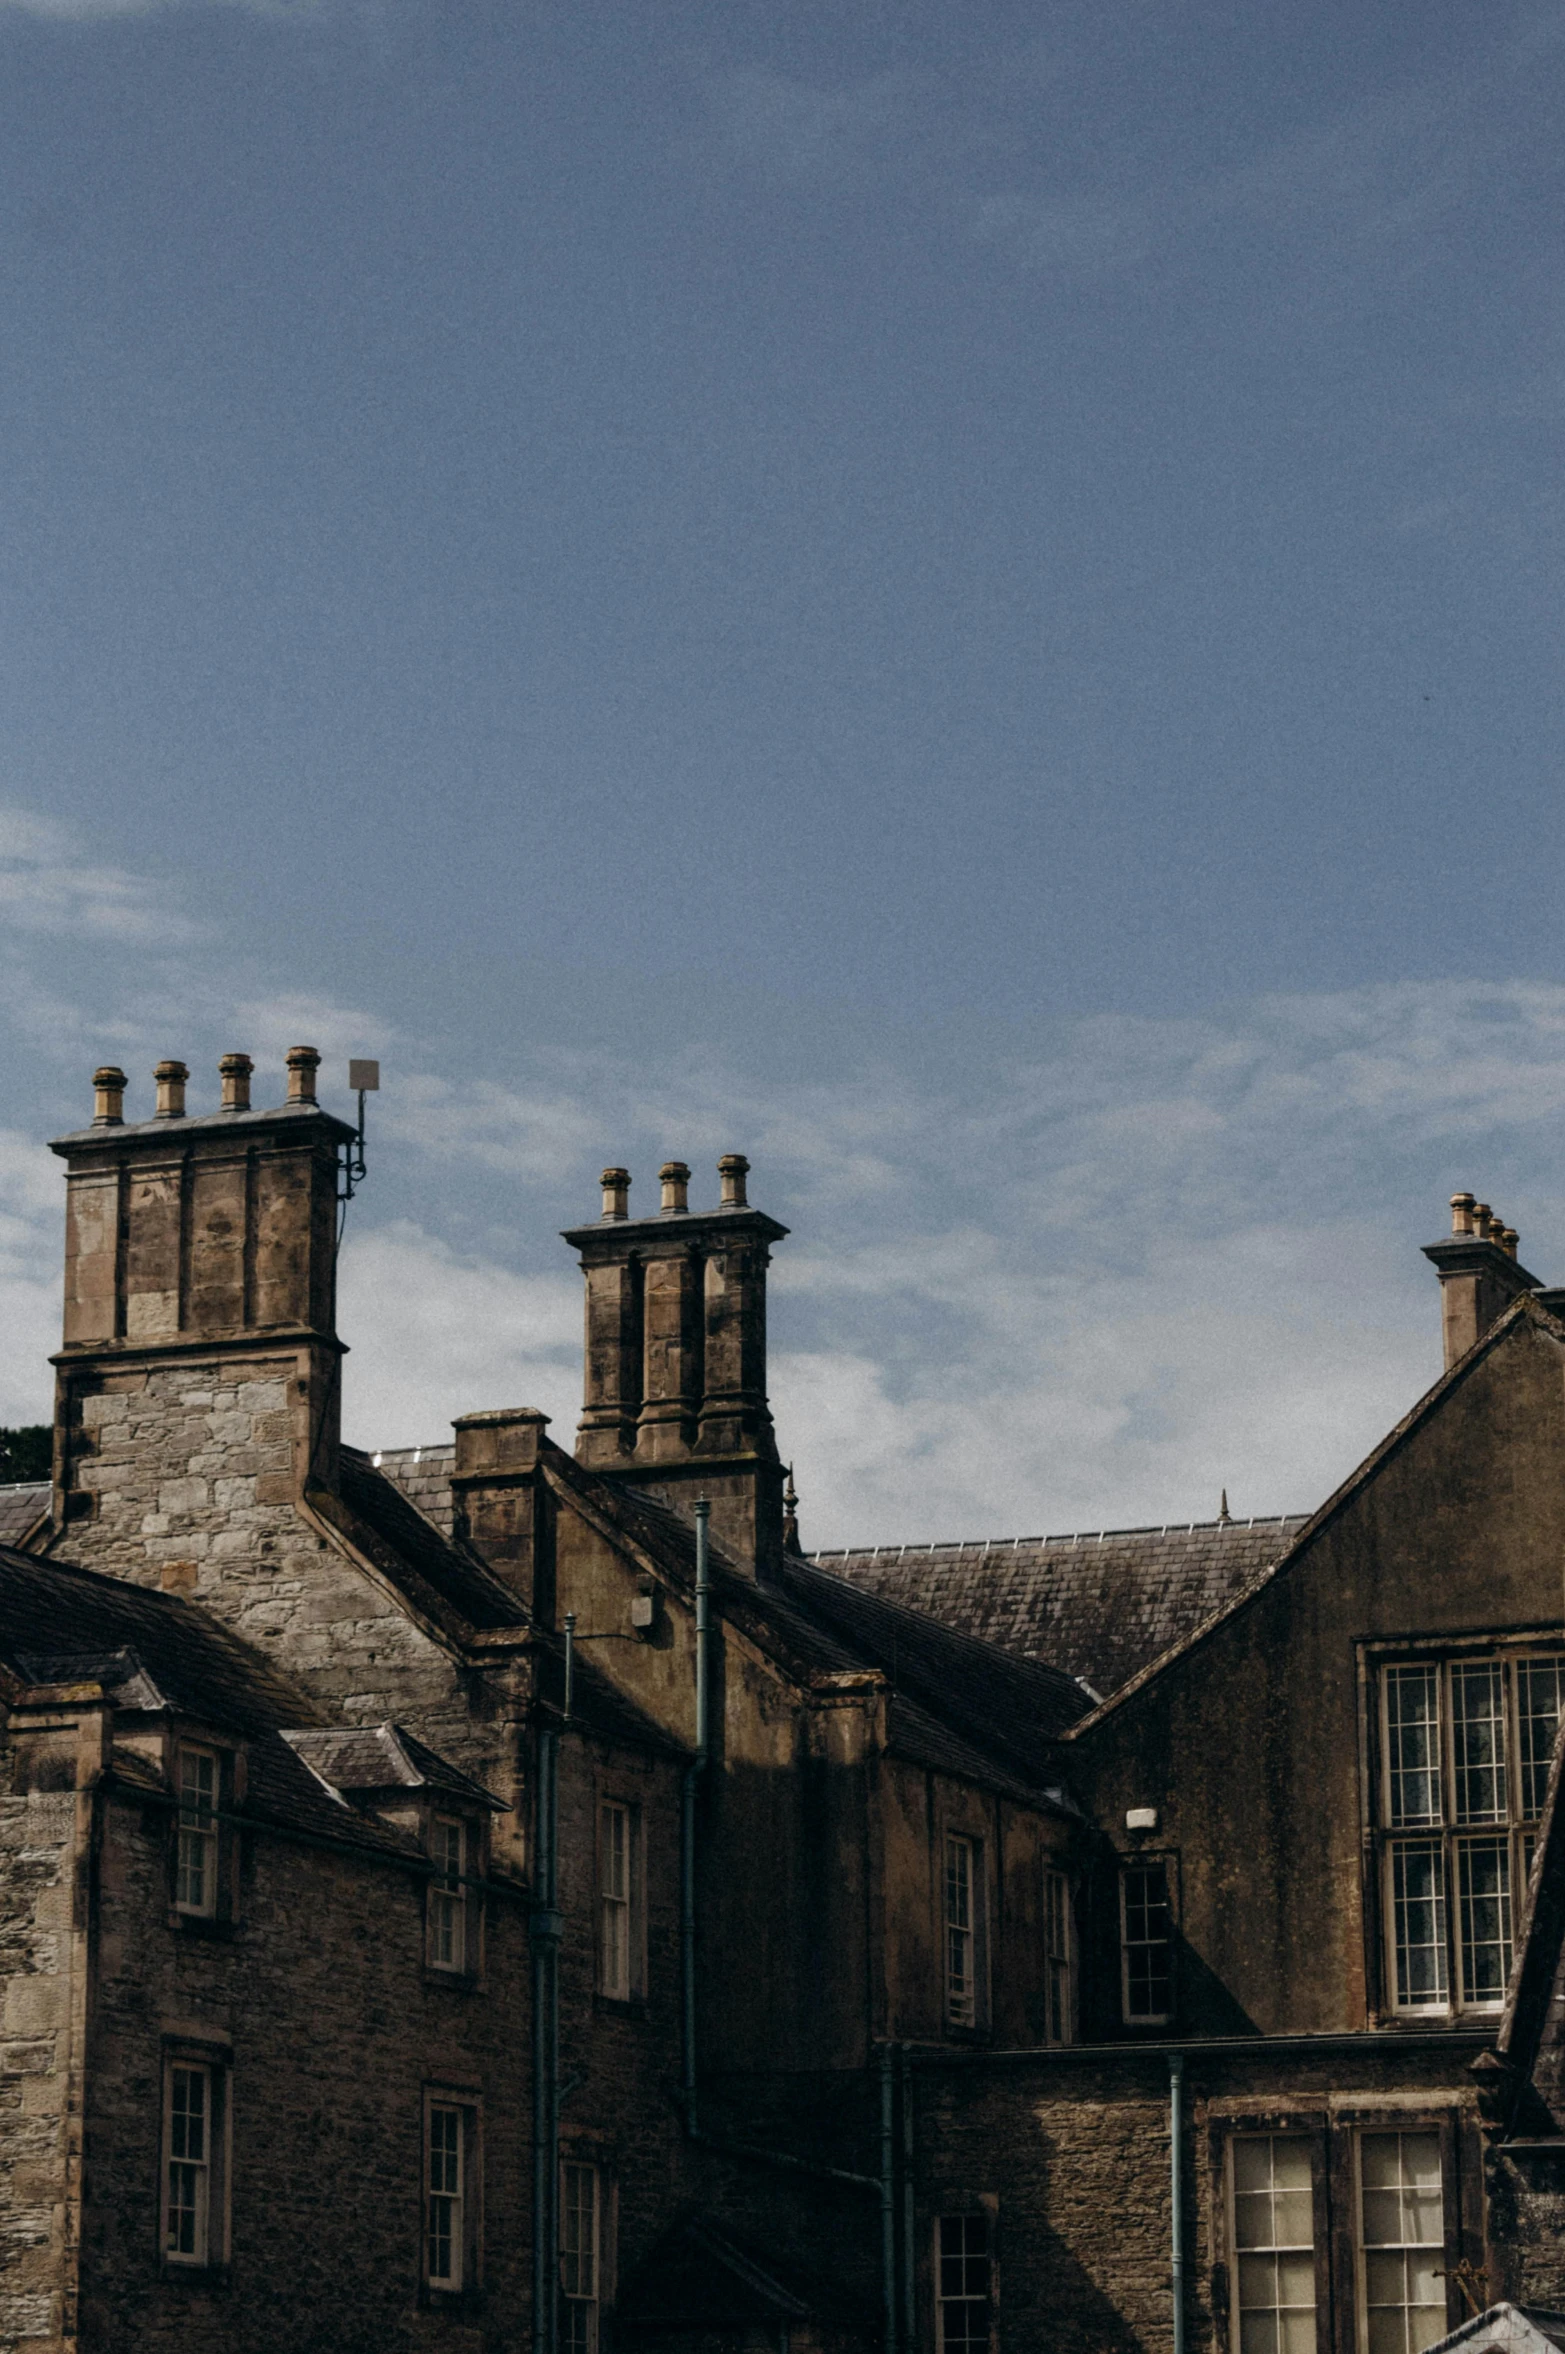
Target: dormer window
<point>448,1895</point>
<point>196,1859</point>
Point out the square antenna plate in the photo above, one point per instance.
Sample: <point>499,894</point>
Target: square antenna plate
<point>364,1078</point>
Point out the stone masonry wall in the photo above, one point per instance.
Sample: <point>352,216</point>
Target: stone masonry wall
<point>45,1840</point>
<point>194,1469</point>
<point>334,2029</point>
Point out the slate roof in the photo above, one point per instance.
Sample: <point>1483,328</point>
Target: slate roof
<point>958,1704</point>
<point>429,1568</point>
<point>152,1651</point>
<point>22,1506</point>
<point>1512,2329</point>
<point>383,1757</point>
<point>1101,1606</point>
<point>424,1476</point>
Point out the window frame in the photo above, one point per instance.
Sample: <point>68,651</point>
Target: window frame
<point>966,2216</point>
<point>1311,2134</point>
<point>1166,1861</point>
<point>1059,1955</point>
<point>592,2304</point>
<point>969,2016</point>
<point>217,1916</point>
<point>1453,1832</point>
<point>1439,2129</point>
<point>464,1893</point>
<point>462,2288</point>
<point>212,2064</point>
<point>633,1989</point>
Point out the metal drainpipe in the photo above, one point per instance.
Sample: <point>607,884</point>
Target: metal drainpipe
<point>545,1936</point>
<point>909,2278</point>
<point>1176,2184</point>
<point>888,2200</point>
<point>693,1774</point>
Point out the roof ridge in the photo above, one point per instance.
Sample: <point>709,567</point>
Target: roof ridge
<point>1092,1536</point>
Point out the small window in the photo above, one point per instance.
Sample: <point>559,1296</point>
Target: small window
<point>1057,1942</point>
<point>1402,2234</point>
<point>963,1930</point>
<point>619,1900</point>
<point>580,2259</point>
<point>448,1895</point>
<point>964,2281</point>
<point>1146,1942</point>
<point>1274,2244</point>
<point>194,2222</point>
<point>196,1855</point>
<point>451,2202</point>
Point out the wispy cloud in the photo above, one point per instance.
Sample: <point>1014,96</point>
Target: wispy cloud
<point>50,883</point>
<point>1087,1283</point>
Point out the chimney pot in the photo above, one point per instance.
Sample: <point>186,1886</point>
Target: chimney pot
<point>616,1193</point>
<point>674,1177</point>
<point>733,1169</point>
<point>171,1078</point>
<point>1462,1208</point>
<point>108,1107</point>
<point>1483,1220</point>
<point>234,1070</point>
<point>303,1063</point>
<point>1509,1241</point>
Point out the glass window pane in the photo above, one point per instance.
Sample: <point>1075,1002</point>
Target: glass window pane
<point>1418,1923</point>
<point>1413,1745</point>
<point>1538,1717</point>
<point>1483,1880</point>
<point>1274,2227</point>
<point>1402,2228</point>
<point>1478,1741</point>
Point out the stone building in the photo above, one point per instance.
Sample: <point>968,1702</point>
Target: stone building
<point>626,1928</point>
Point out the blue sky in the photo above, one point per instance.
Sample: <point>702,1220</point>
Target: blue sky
<point>962,598</point>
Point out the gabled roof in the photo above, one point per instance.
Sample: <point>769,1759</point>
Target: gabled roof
<point>1509,2329</point>
<point>154,1653</point>
<point>439,1575</point>
<point>958,1705</point>
<point>1101,1605</point>
<point>364,1758</point>
<point>1522,1311</point>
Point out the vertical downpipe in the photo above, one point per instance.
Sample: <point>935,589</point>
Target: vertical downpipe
<point>693,1774</point>
<point>1176,2185</point>
<point>909,2279</point>
<point>888,2200</point>
<point>545,1935</point>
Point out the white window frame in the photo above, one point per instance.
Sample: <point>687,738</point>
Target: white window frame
<point>620,1906</point>
<point>946,2340</point>
<point>457,2188</point>
<point>197,1834</point>
<point>1461,1922</point>
<point>1059,1957</point>
<point>1139,1866</point>
<point>1309,2144</point>
<point>1398,2131</point>
<point>581,2257</point>
<point>193,2170</point>
<point>962,1941</point>
<point>448,1938</point>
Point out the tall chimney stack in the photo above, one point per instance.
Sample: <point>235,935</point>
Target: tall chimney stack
<point>675,1395</point>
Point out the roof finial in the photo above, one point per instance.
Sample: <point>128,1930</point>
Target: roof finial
<point>1224,1516</point>
<point>790,1514</point>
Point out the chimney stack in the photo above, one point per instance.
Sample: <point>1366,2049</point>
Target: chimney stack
<point>675,1394</point>
<point>193,1243</point>
<point>1479,1274</point>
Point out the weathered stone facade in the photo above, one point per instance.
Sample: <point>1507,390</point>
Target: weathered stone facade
<point>834,1952</point>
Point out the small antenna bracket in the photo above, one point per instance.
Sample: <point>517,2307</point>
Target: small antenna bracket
<point>364,1079</point>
